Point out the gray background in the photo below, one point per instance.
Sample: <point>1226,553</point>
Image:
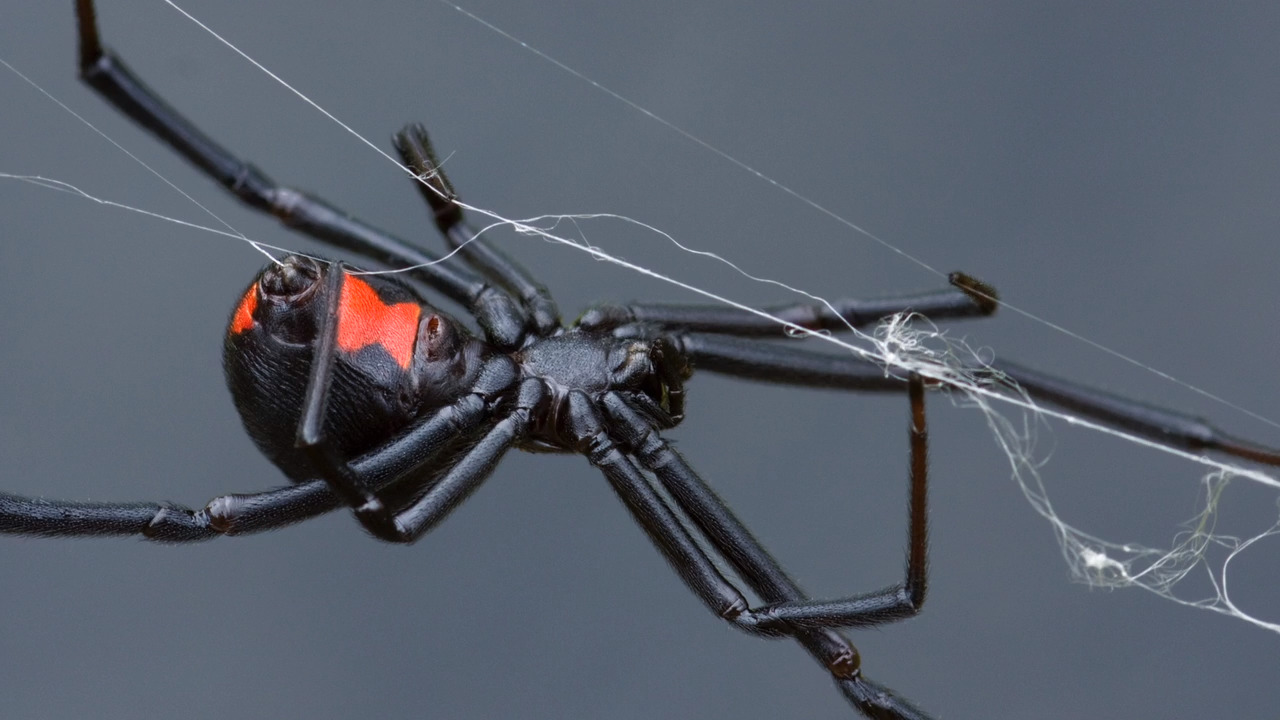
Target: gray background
<point>1113,167</point>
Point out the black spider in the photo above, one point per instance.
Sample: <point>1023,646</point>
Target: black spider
<point>367,396</point>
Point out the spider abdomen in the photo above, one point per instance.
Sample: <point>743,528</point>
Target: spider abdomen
<point>397,358</point>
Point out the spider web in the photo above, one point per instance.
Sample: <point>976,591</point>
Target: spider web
<point>904,344</point>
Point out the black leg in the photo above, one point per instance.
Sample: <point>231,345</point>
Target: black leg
<point>1167,427</point>
<point>415,150</point>
<point>834,651</point>
<point>969,297</point>
<point>409,456</point>
<point>898,601</point>
<point>324,354</point>
<point>746,554</point>
<point>767,578</point>
<point>733,541</point>
<point>787,363</point>
<point>796,365</point>
<point>472,470</point>
<point>227,515</point>
<point>241,514</point>
<point>403,460</point>
<point>502,319</point>
<point>656,518</point>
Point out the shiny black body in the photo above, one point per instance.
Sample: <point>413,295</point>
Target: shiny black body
<point>401,427</point>
<point>372,398</point>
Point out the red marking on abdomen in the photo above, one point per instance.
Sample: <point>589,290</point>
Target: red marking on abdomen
<point>242,319</point>
<point>363,319</point>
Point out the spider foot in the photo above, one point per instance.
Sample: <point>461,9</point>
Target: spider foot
<point>982,294</point>
<point>877,701</point>
<point>416,151</point>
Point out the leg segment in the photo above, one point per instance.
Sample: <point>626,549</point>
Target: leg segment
<point>814,620</point>
<point>474,468</point>
<point>1167,427</point>
<point>241,514</point>
<point>787,363</point>
<point>968,298</point>
<point>653,514</point>
<point>226,515</point>
<point>795,365</point>
<point>502,319</point>
<point>708,512</point>
<point>407,457</point>
<point>416,152</point>
<point>258,512</point>
<point>726,533</point>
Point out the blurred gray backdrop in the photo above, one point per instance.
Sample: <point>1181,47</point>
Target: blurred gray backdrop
<point>1111,167</point>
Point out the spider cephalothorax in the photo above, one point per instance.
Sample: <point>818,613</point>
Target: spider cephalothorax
<point>366,396</point>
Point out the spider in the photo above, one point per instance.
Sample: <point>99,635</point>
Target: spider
<point>368,397</point>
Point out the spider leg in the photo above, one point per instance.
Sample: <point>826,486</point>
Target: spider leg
<point>408,456</point>
<point>708,512</point>
<point>244,513</point>
<point>967,298</point>
<point>786,363</point>
<point>733,541</point>
<point>1167,427</point>
<point>502,319</point>
<point>795,365</point>
<point>417,153</point>
<point>473,469</point>
<point>445,494</point>
<point>164,522</point>
<point>653,514</point>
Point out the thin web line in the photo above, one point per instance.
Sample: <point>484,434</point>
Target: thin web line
<point>521,226</point>
<point>527,227</point>
<point>1091,559</point>
<point>837,216</point>
<point>530,229</point>
<point>135,158</point>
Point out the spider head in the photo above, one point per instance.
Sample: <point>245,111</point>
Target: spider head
<point>396,357</point>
